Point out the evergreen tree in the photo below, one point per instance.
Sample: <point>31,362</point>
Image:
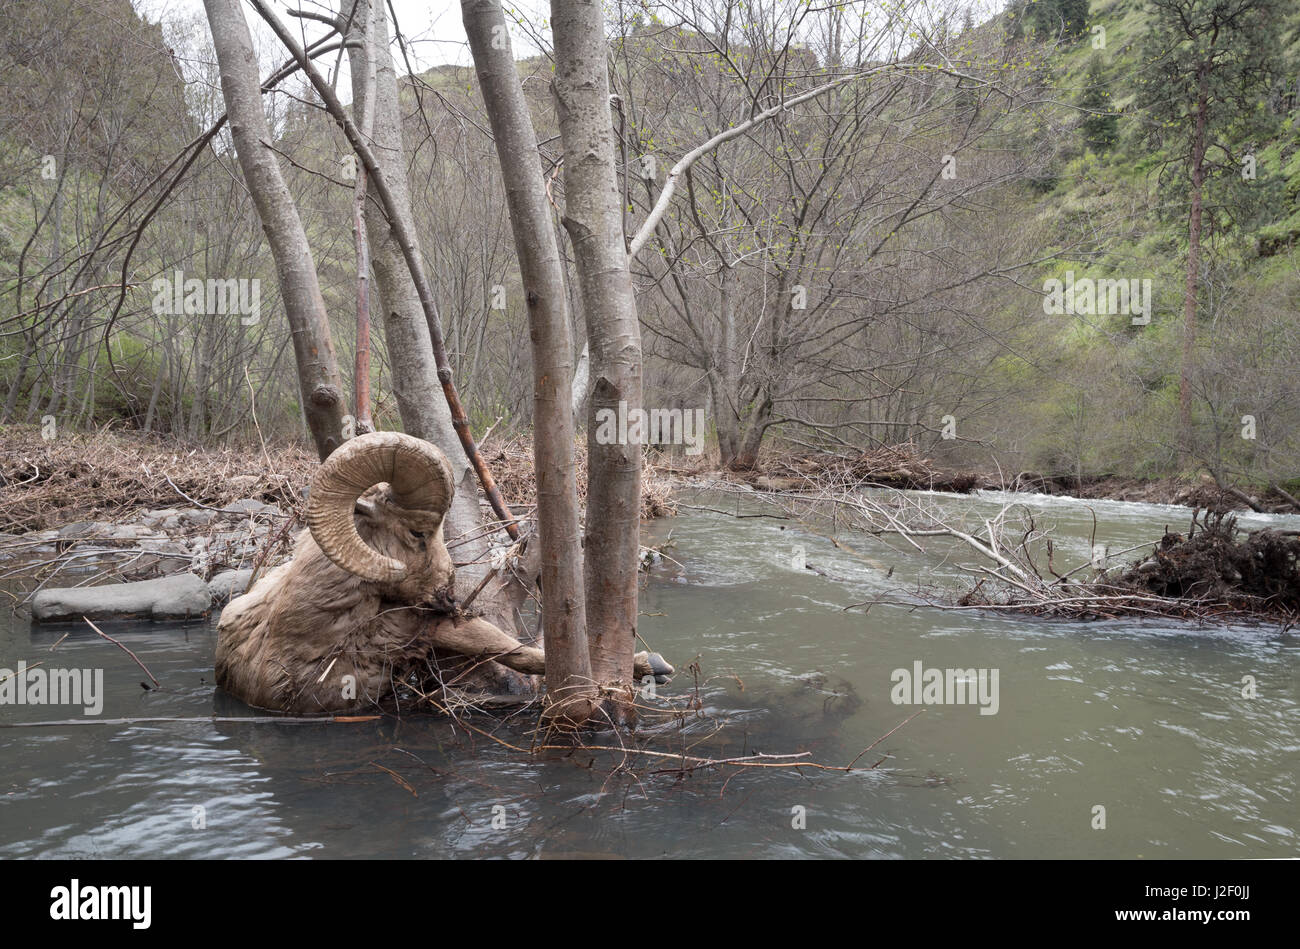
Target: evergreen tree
<point>1056,17</point>
<point>1207,65</point>
<point>1099,130</point>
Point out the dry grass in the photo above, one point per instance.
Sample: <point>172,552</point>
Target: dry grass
<point>108,476</point>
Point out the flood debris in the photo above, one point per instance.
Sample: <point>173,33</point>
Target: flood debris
<point>511,460</point>
<point>111,509</point>
<point>888,466</point>
<point>1215,571</point>
<point>109,477</point>
<point>1259,572</point>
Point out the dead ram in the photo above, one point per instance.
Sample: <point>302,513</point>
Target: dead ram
<point>368,595</point>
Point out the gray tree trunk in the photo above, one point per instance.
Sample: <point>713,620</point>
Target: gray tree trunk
<point>569,682</point>
<point>594,221</point>
<point>318,372</point>
<point>420,400</point>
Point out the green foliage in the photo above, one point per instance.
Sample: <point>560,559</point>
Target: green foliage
<point>1099,130</point>
<point>1047,18</point>
<point>1216,57</point>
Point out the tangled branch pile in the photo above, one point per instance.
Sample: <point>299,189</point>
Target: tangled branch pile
<point>1260,574</point>
<point>45,484</point>
<point>890,466</point>
<point>1209,574</point>
<point>105,476</point>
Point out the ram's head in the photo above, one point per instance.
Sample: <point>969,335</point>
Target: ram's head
<point>376,507</point>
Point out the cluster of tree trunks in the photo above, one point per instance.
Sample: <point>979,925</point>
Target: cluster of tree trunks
<point>589,612</point>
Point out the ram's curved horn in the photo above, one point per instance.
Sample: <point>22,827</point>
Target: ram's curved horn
<point>421,480</point>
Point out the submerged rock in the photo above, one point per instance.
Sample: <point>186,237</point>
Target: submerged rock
<point>184,596</point>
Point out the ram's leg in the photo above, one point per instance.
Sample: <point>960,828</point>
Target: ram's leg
<point>477,638</point>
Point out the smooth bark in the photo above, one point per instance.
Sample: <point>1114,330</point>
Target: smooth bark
<point>420,400</point>
<point>1193,260</point>
<point>569,682</point>
<point>361,366</point>
<point>593,218</point>
<point>318,372</point>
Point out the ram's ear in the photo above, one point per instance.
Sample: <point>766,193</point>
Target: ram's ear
<point>365,508</point>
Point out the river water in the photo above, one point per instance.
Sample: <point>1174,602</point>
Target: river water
<point>1127,739</point>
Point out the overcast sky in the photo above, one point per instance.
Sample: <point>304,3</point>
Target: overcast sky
<point>432,28</point>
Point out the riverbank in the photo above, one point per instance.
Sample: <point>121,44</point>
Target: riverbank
<point>114,477</point>
<point>84,509</point>
<point>905,467</point>
<point>87,507</point>
<point>1201,492</point>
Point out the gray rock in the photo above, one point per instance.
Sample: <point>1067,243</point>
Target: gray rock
<point>180,597</point>
<point>198,517</point>
<point>84,529</point>
<point>127,532</point>
<point>229,584</point>
<point>250,506</point>
<point>154,518</point>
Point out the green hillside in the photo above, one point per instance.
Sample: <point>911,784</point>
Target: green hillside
<point>1116,206</point>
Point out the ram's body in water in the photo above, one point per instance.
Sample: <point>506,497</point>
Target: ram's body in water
<point>368,595</point>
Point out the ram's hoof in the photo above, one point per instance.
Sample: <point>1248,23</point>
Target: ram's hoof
<point>659,668</point>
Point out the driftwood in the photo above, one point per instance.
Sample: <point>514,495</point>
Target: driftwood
<point>890,466</point>
<point>1207,575</point>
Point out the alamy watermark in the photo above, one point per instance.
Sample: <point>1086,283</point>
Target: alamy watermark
<point>651,427</point>
<point>32,685</point>
<point>1090,297</point>
<point>921,686</point>
<point>75,901</point>
<point>176,295</point>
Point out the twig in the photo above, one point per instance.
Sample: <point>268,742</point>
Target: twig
<point>882,738</point>
<point>127,651</point>
<point>398,778</point>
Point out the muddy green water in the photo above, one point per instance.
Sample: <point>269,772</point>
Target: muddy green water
<point>1144,719</point>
